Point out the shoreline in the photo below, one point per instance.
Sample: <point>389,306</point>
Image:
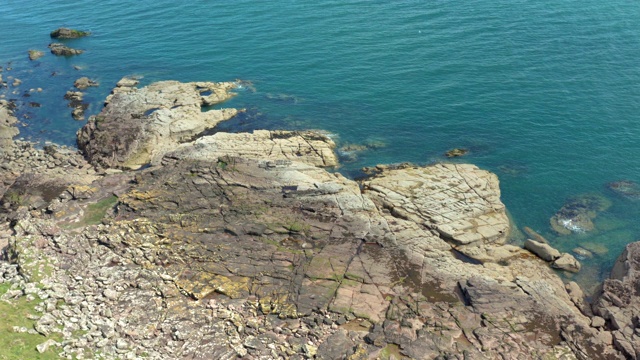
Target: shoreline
<point>307,233</point>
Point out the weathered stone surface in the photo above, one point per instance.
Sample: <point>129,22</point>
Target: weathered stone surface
<point>273,147</point>
<point>138,126</point>
<point>461,202</point>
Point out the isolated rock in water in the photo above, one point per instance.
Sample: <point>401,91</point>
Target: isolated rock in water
<point>619,303</point>
<point>577,214</point>
<point>84,82</point>
<point>65,33</point>
<point>456,152</point>
<point>543,250</point>
<point>63,50</point>
<point>567,262</point>
<point>626,188</point>
<point>35,54</point>
<point>138,126</point>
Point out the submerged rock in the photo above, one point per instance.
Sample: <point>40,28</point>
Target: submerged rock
<point>577,214</point>
<point>66,33</point>
<point>35,54</point>
<point>626,188</point>
<point>456,152</point>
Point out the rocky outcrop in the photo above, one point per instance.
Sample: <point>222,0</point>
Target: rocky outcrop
<point>619,304</point>
<point>84,82</point>
<point>243,245</point>
<point>76,102</point>
<point>138,126</point>
<point>66,33</point>
<point>59,49</point>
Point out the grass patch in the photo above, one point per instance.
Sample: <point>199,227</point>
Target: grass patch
<point>95,212</point>
<point>15,345</point>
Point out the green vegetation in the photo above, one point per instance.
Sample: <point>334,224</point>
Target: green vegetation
<point>96,212</point>
<point>15,345</point>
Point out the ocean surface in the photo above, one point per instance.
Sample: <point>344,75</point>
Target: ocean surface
<point>546,94</point>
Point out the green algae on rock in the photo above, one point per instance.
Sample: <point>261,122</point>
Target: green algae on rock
<point>66,33</point>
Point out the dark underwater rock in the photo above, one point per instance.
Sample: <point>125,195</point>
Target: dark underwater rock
<point>456,152</point>
<point>626,188</point>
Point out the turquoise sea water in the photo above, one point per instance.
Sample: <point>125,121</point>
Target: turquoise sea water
<point>545,94</point>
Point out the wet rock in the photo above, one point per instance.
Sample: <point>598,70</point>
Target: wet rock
<point>66,33</point>
<point>59,49</point>
<point>84,82</point>
<point>35,54</point>
<point>577,214</point>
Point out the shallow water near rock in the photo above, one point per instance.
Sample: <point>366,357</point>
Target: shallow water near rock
<point>544,94</point>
